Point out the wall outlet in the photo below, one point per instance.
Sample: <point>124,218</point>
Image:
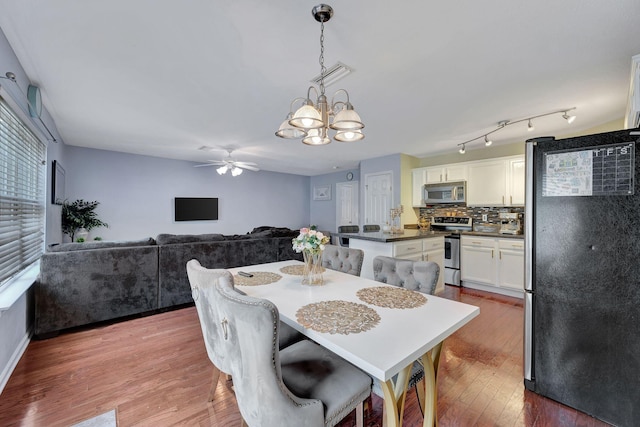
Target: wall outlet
<point>484,217</point>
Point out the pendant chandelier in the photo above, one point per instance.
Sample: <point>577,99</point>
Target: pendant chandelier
<point>312,122</point>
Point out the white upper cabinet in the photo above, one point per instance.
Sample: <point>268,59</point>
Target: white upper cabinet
<point>487,183</point>
<point>419,179</point>
<point>446,173</point>
<point>497,182</point>
<point>516,181</point>
<point>494,182</point>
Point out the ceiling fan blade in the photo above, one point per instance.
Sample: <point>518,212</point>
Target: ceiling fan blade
<point>243,164</point>
<point>203,165</point>
<point>249,167</point>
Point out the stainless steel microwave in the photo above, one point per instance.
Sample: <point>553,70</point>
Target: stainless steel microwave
<point>446,192</point>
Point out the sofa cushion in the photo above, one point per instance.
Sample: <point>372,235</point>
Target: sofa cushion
<point>67,247</point>
<point>169,239</point>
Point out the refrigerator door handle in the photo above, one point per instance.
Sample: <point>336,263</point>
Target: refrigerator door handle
<point>528,340</point>
<point>528,216</point>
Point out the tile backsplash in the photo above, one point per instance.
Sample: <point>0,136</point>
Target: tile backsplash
<point>474,212</point>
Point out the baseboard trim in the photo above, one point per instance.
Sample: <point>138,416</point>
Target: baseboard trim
<point>15,358</point>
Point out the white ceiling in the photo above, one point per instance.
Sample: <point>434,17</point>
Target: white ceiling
<point>163,78</point>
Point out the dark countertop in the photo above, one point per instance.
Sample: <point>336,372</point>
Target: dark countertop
<point>409,234</point>
<point>379,236</point>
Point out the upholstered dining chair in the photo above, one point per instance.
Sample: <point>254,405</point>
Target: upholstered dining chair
<point>368,228</point>
<point>201,279</point>
<point>301,385</point>
<point>344,241</point>
<point>421,276</point>
<point>342,259</point>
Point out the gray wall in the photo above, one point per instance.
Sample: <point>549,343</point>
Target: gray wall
<point>136,195</point>
<point>323,212</point>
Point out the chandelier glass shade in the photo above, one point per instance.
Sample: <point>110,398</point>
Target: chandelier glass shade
<point>312,121</point>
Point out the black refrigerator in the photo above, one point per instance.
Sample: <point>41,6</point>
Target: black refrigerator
<point>582,273</point>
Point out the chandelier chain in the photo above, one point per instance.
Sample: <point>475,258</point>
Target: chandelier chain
<point>323,69</point>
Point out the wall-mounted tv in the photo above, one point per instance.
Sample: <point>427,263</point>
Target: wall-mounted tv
<point>196,209</point>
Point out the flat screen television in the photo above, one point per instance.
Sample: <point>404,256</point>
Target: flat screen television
<point>196,209</point>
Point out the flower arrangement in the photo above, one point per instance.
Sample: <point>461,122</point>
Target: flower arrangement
<point>310,240</point>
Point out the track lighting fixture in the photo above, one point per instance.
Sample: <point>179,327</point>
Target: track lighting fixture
<point>568,118</point>
<point>505,123</point>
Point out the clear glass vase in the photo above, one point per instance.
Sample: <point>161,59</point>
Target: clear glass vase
<point>312,273</point>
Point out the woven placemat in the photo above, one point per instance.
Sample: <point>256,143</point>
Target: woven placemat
<point>296,270</point>
<point>337,317</point>
<point>390,297</point>
<point>259,278</point>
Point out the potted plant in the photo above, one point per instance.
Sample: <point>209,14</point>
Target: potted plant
<point>79,215</point>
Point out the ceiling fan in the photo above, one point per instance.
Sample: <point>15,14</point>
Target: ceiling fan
<point>229,164</point>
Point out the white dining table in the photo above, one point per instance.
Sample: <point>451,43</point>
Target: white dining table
<point>402,335</point>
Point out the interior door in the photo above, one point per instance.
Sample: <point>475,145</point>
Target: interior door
<point>378,198</point>
<point>347,203</point>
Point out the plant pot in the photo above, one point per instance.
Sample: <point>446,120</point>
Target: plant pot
<point>82,233</point>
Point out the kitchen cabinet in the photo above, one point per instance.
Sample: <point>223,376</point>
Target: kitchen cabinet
<point>515,181</point>
<point>414,249</point>
<point>511,264</point>
<point>418,180</point>
<point>478,260</point>
<point>446,173</point>
<point>497,182</point>
<point>433,250</point>
<point>493,264</point>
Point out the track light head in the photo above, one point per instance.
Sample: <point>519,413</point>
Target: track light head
<point>462,150</point>
<point>530,126</point>
<point>568,118</point>
<point>487,142</point>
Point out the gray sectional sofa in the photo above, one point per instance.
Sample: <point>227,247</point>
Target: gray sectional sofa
<point>84,283</point>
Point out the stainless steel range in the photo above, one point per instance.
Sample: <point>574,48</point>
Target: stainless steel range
<point>454,224</point>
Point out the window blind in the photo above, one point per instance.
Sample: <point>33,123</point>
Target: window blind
<point>22,195</point>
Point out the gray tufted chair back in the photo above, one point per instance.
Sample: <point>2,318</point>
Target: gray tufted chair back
<point>202,282</point>
<point>342,259</point>
<point>421,276</point>
<point>268,383</point>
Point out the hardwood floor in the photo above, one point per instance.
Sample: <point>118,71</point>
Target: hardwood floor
<point>155,372</point>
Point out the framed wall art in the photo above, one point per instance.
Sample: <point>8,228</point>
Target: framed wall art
<point>322,192</point>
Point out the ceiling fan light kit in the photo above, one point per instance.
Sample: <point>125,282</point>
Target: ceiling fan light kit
<point>505,123</point>
<point>312,121</point>
<point>229,164</point>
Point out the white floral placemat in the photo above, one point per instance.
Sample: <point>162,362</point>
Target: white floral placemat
<point>259,278</point>
<point>296,270</point>
<point>391,297</point>
<point>337,317</point>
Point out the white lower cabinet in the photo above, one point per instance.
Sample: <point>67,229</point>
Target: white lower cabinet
<point>429,249</point>
<point>511,263</point>
<point>492,264</point>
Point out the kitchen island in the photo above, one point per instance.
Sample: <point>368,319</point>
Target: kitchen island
<point>412,244</point>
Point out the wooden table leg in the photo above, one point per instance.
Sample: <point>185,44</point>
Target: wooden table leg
<point>430,361</point>
<point>394,398</point>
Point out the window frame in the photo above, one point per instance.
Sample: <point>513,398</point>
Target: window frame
<point>23,197</point>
